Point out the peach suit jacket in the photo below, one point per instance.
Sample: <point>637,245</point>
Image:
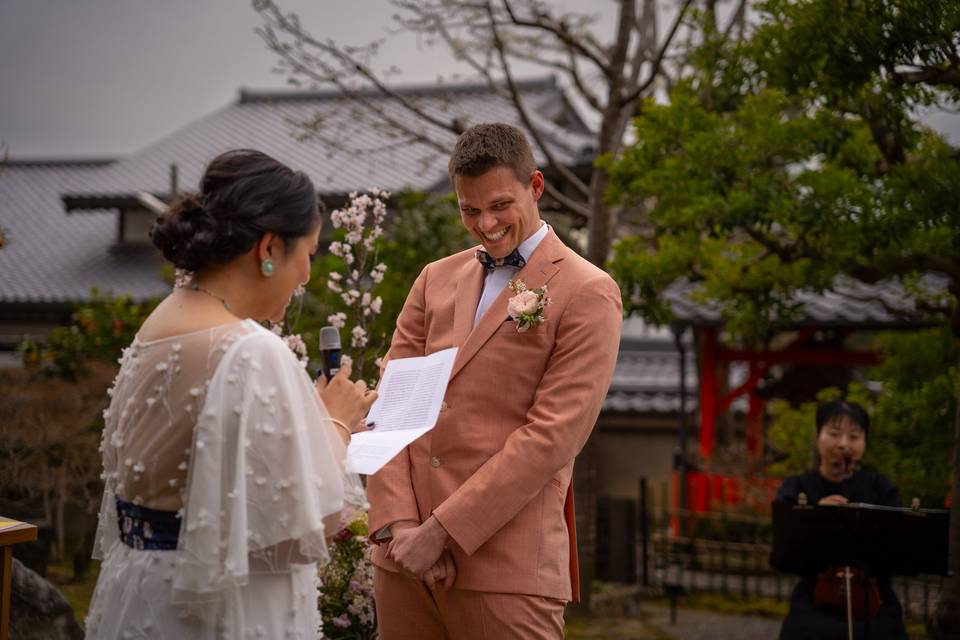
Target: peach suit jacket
<point>496,469</point>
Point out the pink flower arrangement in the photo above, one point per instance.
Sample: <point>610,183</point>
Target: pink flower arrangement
<point>526,307</point>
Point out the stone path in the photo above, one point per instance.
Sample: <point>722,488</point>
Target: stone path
<point>653,623</point>
<point>693,624</point>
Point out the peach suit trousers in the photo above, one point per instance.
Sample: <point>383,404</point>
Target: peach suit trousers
<point>408,610</point>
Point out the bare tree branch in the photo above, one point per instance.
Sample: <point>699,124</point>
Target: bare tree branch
<point>488,38</point>
<point>646,27</point>
<point>358,97</point>
<point>560,30</point>
<point>738,20</point>
<point>364,71</point>
<point>768,243</point>
<point>578,208</point>
<point>655,70</point>
<point>433,22</point>
<point>581,86</point>
<point>559,167</point>
<point>934,76</point>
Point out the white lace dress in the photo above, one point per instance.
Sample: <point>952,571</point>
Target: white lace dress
<point>222,432</point>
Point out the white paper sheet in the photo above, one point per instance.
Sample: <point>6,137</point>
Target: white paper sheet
<point>410,395</point>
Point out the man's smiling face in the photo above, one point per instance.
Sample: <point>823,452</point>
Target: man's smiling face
<point>499,210</point>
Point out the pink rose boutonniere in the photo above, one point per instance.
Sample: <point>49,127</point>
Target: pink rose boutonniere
<point>526,307</point>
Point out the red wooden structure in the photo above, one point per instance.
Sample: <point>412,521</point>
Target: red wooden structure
<point>706,491</point>
<point>714,359</point>
<point>849,305</point>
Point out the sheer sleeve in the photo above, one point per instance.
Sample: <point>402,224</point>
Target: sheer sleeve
<point>108,531</point>
<point>266,468</point>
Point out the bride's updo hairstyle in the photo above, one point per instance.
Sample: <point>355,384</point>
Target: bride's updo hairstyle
<point>243,194</point>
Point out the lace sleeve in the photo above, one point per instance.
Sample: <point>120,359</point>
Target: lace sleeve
<point>264,473</point>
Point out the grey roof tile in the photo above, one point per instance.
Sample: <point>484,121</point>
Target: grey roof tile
<point>57,257</point>
<point>347,154</point>
<point>53,257</point>
<point>848,302</point>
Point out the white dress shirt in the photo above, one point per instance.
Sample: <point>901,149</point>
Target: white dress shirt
<point>496,280</point>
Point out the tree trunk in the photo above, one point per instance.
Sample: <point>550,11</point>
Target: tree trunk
<point>599,244</point>
<point>945,623</point>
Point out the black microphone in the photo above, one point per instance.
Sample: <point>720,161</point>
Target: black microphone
<point>329,352</point>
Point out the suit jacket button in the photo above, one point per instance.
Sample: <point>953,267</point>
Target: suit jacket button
<point>443,406</point>
<point>434,462</point>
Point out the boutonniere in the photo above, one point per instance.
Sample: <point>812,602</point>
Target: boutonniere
<point>526,307</point>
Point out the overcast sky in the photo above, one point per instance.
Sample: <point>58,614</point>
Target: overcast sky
<point>107,77</point>
<point>94,78</point>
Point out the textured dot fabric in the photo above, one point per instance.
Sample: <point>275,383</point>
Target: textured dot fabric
<point>223,427</point>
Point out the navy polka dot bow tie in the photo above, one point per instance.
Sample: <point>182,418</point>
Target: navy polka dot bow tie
<point>490,263</point>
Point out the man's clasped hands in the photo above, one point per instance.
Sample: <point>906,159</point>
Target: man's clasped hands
<point>421,551</point>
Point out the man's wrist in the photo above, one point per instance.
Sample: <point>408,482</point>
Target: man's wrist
<point>386,533</point>
<point>439,531</point>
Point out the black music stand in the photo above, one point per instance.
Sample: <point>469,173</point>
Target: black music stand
<point>876,539</point>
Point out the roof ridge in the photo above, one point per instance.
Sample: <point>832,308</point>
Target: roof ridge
<point>56,162</point>
<point>252,96</point>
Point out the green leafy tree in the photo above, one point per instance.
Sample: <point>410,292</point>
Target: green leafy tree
<point>99,330</point>
<point>796,156</point>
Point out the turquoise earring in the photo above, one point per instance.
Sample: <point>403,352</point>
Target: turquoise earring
<point>266,268</point>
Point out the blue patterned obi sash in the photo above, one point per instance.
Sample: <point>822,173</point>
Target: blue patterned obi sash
<point>143,528</point>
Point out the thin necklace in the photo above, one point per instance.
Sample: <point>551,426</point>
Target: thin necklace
<point>195,287</point>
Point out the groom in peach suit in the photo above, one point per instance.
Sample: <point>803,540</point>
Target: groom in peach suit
<point>474,520</point>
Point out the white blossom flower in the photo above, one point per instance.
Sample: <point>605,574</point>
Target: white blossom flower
<point>358,337</point>
<point>298,346</point>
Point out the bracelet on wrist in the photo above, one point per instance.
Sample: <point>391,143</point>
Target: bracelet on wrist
<point>340,425</point>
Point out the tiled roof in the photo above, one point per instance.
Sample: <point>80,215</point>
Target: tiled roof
<point>647,380</point>
<point>52,257</point>
<point>647,375</point>
<point>55,257</point>
<point>849,303</point>
<point>372,157</point>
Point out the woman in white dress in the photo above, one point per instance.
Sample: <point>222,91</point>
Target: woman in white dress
<point>223,463</point>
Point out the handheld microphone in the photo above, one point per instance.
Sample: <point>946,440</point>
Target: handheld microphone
<point>330,351</point>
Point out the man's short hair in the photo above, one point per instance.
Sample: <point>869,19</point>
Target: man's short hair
<point>485,146</point>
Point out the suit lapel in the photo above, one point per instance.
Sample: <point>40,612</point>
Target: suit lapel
<point>541,268</point>
<point>469,288</point>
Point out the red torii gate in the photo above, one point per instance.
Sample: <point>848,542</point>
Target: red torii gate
<point>714,355</point>
<point>850,305</point>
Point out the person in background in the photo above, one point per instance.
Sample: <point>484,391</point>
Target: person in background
<point>840,479</point>
<point>223,464</point>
